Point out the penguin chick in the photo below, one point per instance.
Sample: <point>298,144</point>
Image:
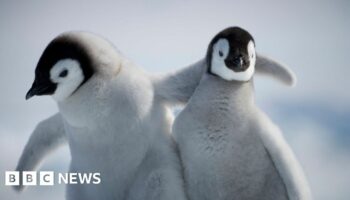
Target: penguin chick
<point>112,122</point>
<point>170,88</point>
<point>229,148</point>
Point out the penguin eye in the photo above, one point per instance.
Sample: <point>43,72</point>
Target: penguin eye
<point>63,73</point>
<point>220,53</point>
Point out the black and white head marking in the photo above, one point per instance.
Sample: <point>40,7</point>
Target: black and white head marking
<point>63,67</point>
<point>231,55</point>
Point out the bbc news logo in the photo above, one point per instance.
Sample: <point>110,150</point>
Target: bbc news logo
<point>49,178</point>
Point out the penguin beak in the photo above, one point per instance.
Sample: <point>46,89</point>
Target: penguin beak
<point>236,63</point>
<point>43,88</point>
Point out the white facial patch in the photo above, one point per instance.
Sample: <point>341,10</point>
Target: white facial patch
<point>218,66</point>
<point>68,75</point>
<point>252,59</point>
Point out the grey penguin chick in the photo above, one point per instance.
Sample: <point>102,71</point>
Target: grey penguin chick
<point>169,89</point>
<point>112,122</point>
<point>173,88</point>
<point>229,148</point>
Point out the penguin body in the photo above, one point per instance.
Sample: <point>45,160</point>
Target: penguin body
<point>223,156</point>
<point>115,111</point>
<point>112,122</point>
<point>228,147</point>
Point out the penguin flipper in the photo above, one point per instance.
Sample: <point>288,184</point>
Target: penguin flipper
<point>268,66</point>
<point>48,135</point>
<point>177,87</point>
<point>284,160</point>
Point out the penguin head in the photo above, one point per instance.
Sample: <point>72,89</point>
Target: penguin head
<point>70,60</point>
<point>63,67</point>
<point>231,55</point>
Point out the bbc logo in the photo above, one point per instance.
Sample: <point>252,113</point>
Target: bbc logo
<point>29,178</point>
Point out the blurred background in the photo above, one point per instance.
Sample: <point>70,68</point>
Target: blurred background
<point>312,37</point>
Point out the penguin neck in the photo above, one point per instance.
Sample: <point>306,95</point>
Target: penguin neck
<point>236,94</point>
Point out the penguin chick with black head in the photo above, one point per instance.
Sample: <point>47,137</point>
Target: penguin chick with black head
<point>80,71</point>
<point>112,122</point>
<point>229,148</point>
